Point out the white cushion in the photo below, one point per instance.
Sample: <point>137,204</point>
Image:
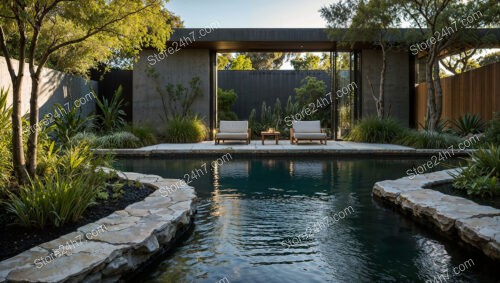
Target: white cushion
<point>233,126</point>
<point>306,127</point>
<point>312,136</point>
<point>232,136</point>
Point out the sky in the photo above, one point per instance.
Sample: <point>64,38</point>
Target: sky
<point>250,13</point>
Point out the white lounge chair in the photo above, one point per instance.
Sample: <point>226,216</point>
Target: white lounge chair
<point>307,130</point>
<point>232,130</point>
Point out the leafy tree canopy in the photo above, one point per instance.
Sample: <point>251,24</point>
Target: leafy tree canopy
<point>311,61</point>
<point>489,59</point>
<point>267,61</point>
<point>241,62</point>
<point>73,36</point>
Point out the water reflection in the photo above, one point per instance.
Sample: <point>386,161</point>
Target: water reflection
<point>249,207</point>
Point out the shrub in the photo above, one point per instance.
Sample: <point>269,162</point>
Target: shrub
<point>84,138</point>
<point>186,130</point>
<point>120,139</point>
<point>376,130</point>
<point>111,117</point>
<point>441,127</point>
<point>427,139</point>
<point>69,123</point>
<point>492,133</point>
<point>468,124</point>
<point>225,100</point>
<point>481,175</point>
<point>55,200</point>
<point>67,183</point>
<point>145,133</point>
<point>5,139</point>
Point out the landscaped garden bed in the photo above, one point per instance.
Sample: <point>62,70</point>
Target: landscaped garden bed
<point>17,239</point>
<point>114,246</point>
<point>449,189</point>
<point>476,225</point>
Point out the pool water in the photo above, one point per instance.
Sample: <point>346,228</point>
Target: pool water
<point>252,216</point>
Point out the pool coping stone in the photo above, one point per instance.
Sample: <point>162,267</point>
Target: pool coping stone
<point>127,238</point>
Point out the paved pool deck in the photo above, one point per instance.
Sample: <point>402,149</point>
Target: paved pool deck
<point>284,148</point>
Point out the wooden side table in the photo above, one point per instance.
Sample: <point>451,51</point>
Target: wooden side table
<point>275,134</point>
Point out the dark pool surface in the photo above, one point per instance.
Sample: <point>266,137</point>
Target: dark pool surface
<point>248,208</point>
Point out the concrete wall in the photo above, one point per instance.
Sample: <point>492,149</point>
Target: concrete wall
<point>255,87</point>
<point>178,68</point>
<point>55,87</point>
<point>397,83</point>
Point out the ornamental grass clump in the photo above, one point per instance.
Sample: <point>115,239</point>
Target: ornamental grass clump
<point>376,130</point>
<point>428,139</point>
<point>186,130</point>
<point>67,183</point>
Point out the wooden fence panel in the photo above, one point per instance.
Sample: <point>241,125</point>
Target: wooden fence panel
<point>476,92</point>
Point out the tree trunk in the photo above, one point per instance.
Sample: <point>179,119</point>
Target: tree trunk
<point>380,102</point>
<point>33,137</point>
<point>431,119</point>
<point>439,92</point>
<point>17,130</point>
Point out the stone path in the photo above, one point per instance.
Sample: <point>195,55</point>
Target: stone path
<point>283,148</point>
<point>476,225</point>
<point>105,250</point>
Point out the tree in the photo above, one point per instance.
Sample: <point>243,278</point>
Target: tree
<point>78,33</point>
<point>224,61</point>
<point>442,24</point>
<point>311,62</point>
<point>312,94</point>
<point>267,61</point>
<point>365,21</point>
<point>489,59</point>
<point>241,62</point>
<point>461,62</point>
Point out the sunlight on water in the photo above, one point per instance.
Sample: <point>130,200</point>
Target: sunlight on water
<point>303,220</point>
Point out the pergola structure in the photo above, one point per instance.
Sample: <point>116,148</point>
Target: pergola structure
<point>193,52</point>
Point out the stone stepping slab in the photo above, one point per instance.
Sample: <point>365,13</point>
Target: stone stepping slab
<point>476,225</point>
<point>115,245</point>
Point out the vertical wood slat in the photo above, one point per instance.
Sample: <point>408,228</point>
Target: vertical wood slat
<point>476,92</point>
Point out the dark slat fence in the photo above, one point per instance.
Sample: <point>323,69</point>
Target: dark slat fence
<point>254,87</point>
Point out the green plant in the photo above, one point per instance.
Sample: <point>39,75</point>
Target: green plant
<point>67,183</point>
<point>145,133</point>
<point>69,123</point>
<point>427,139</point>
<point>112,116</point>
<point>186,130</point>
<point>176,100</point>
<point>468,124</point>
<point>313,92</point>
<point>83,138</point>
<point>54,200</point>
<point>481,174</point>
<point>5,139</point>
<point>441,126</point>
<point>345,117</point>
<point>492,133</point>
<point>120,139</point>
<point>225,100</point>
<point>375,130</point>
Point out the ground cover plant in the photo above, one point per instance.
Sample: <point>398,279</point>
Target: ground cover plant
<point>480,176</point>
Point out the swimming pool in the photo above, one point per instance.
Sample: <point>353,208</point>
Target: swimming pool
<point>303,220</point>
